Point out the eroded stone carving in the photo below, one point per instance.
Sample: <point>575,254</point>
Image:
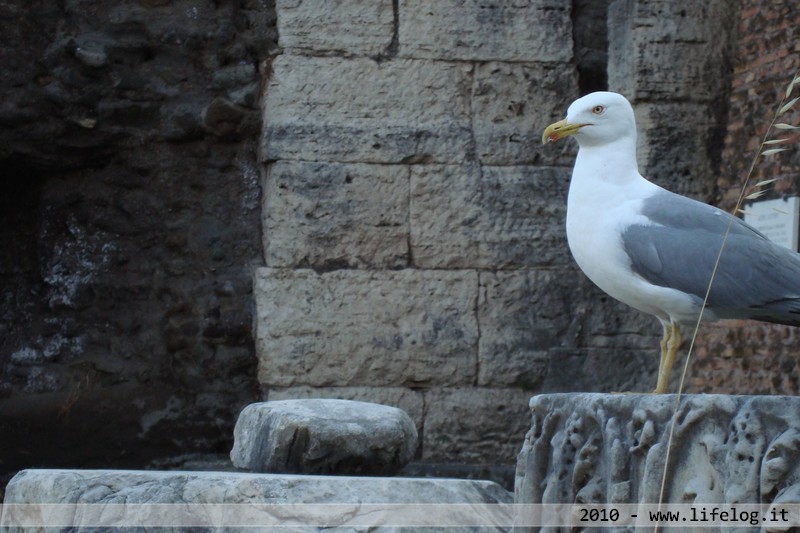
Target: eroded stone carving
<point>254,493</point>
<point>600,448</point>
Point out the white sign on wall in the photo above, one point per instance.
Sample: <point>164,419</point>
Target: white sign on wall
<point>777,219</point>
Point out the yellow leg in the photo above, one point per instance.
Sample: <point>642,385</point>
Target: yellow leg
<point>670,343</point>
<point>664,342</point>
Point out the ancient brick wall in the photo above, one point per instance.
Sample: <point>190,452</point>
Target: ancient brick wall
<point>743,357</point>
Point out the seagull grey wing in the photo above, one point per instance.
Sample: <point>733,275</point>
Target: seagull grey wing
<point>755,277</point>
<point>679,212</point>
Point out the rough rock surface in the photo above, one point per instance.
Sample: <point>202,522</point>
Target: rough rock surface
<point>475,30</point>
<point>474,424</point>
<point>402,110</point>
<point>360,327</point>
<point>336,215</point>
<point>487,217</point>
<point>696,41</point>
<point>612,448</point>
<point>320,26</point>
<point>409,400</point>
<point>323,436</point>
<point>142,487</point>
<point>130,202</point>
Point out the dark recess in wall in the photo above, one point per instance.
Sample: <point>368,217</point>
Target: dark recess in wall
<point>590,41</point>
<point>20,195</point>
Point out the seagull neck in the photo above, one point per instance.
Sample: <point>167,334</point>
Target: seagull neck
<point>613,162</point>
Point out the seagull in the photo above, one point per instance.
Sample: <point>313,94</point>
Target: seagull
<point>655,250</point>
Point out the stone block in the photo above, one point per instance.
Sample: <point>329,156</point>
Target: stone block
<point>341,26</point>
<point>472,30</point>
<point>693,38</point>
<point>603,344</point>
<point>357,327</point>
<point>323,436</point>
<point>593,448</point>
<point>409,400</point>
<point>359,110</point>
<point>524,314</point>
<point>329,214</point>
<point>488,217</point>
<point>269,501</point>
<point>607,370</point>
<point>672,147</point>
<point>612,325</point>
<point>513,103</point>
<point>474,425</point>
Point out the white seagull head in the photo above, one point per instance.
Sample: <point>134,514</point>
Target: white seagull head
<point>595,120</point>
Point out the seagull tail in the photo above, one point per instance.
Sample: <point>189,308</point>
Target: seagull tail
<point>785,311</point>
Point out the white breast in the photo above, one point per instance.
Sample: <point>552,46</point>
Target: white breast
<point>597,213</point>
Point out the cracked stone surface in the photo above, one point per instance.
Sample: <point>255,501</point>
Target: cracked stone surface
<point>198,488</point>
<point>323,436</point>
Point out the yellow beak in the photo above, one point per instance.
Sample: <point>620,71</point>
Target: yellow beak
<point>559,130</point>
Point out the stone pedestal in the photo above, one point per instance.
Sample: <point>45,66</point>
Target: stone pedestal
<point>188,502</point>
<point>589,448</point>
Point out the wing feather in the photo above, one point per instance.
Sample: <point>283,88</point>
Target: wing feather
<point>755,278</point>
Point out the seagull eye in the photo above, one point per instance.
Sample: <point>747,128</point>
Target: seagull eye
<point>598,109</point>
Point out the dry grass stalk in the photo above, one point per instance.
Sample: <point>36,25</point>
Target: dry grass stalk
<point>785,106</point>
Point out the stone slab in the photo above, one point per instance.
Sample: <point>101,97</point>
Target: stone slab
<point>342,26</point>
<point>357,327</point>
<point>613,448</point>
<point>488,217</point>
<point>360,110</point>
<point>252,492</point>
<point>512,104</point>
<point>474,424</point>
<point>409,400</point>
<point>472,30</point>
<point>329,214</point>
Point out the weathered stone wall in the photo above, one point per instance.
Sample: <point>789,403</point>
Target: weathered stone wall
<point>413,225</point>
<point>673,61</point>
<point>737,356</point>
<point>402,206</point>
<point>130,213</point>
